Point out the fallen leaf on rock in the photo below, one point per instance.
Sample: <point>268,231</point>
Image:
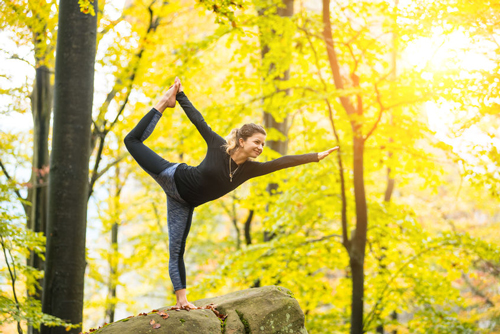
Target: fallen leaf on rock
<point>163,314</point>
<point>130,317</point>
<point>152,322</point>
<point>156,326</point>
<point>143,314</point>
<point>154,311</point>
<point>212,307</point>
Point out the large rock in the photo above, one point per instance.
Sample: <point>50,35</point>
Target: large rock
<point>269,309</point>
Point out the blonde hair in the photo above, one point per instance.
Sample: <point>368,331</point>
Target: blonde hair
<point>246,131</point>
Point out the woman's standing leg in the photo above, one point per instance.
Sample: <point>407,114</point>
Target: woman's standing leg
<point>180,215</point>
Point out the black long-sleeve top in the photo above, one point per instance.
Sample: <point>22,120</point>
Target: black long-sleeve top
<point>210,179</point>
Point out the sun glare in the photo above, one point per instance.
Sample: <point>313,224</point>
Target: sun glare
<point>453,52</point>
<point>447,52</point>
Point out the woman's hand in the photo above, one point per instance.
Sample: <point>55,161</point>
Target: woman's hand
<point>324,154</point>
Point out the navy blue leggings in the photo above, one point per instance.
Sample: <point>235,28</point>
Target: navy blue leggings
<point>179,212</point>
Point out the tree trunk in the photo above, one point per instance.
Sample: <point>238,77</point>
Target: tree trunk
<point>270,122</point>
<point>248,223</point>
<point>41,108</point>
<point>113,268</point>
<point>390,179</point>
<point>114,255</point>
<point>69,175</point>
<point>357,253</point>
<point>280,146</point>
<point>357,245</point>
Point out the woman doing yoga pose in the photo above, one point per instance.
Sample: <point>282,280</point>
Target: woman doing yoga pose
<point>225,167</point>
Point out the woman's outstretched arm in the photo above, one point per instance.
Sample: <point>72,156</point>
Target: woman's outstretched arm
<point>287,161</point>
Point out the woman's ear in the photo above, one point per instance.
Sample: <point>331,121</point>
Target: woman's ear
<point>241,141</point>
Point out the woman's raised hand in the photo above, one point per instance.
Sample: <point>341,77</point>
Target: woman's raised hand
<point>324,154</point>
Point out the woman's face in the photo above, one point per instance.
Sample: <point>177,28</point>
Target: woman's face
<point>253,146</point>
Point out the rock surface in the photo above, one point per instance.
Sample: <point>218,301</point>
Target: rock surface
<point>269,309</point>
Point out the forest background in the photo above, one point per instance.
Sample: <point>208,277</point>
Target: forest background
<point>408,89</point>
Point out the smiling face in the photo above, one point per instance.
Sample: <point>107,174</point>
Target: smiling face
<point>253,146</point>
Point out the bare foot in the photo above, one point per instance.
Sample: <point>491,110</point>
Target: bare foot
<point>168,99</point>
<point>170,95</point>
<point>185,306</point>
<point>177,80</point>
<point>180,295</point>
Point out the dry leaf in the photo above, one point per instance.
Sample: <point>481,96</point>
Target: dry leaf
<point>152,322</point>
<point>164,315</point>
<point>156,326</point>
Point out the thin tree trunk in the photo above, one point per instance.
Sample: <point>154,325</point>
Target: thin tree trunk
<point>69,175</point>
<point>270,122</point>
<point>113,261</point>
<point>41,108</point>
<point>113,268</point>
<point>356,247</point>
<point>234,218</point>
<point>390,179</point>
<point>248,223</point>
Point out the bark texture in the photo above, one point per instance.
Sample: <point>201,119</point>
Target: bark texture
<point>69,174</point>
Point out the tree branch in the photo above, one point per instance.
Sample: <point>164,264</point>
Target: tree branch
<point>4,170</point>
<point>153,24</point>
<point>372,313</point>
<point>476,291</point>
<point>13,277</point>
<point>326,237</point>
<point>345,236</point>
<point>96,176</point>
<point>382,108</point>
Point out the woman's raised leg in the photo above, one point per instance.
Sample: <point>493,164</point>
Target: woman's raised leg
<point>145,157</point>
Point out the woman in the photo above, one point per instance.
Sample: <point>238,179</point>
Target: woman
<point>224,168</point>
